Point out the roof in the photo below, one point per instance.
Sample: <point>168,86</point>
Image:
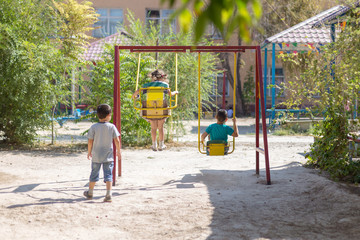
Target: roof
<point>334,17</point>
<point>96,49</point>
<point>303,36</point>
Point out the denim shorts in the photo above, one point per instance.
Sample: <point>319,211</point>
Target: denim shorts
<point>107,168</point>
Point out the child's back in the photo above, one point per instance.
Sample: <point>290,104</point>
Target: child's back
<point>103,134</point>
<point>220,131</point>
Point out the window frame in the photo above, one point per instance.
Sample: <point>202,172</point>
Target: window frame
<point>107,18</point>
<point>161,19</point>
<point>227,85</point>
<point>269,82</point>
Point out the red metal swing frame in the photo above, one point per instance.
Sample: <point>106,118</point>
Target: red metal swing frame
<point>259,96</point>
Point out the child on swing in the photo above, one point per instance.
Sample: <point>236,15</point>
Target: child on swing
<point>220,131</point>
<point>157,123</point>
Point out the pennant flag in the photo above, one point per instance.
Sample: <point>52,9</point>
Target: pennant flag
<point>295,52</point>
<point>318,49</point>
<point>302,52</point>
<point>343,25</point>
<point>280,45</point>
<point>309,52</point>
<point>287,45</point>
<point>288,52</point>
<point>283,44</point>
<point>281,52</point>
<point>295,44</point>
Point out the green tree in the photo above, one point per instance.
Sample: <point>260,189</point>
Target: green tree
<point>32,62</point>
<point>73,20</point>
<point>333,77</point>
<point>27,56</point>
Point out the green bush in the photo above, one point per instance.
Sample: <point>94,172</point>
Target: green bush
<point>329,84</point>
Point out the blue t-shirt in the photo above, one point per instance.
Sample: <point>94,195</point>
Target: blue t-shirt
<point>219,131</point>
<point>103,134</point>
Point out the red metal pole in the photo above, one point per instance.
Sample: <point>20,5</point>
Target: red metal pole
<point>224,92</point>
<point>263,118</point>
<point>257,113</point>
<point>117,109</point>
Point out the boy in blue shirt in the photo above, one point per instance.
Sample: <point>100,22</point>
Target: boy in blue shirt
<point>100,150</point>
<point>220,131</point>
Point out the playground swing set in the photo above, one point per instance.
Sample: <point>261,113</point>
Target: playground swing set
<point>155,107</point>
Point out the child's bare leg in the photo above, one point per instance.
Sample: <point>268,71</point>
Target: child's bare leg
<point>154,126</point>
<point>92,185</point>
<point>108,188</point>
<point>161,134</point>
<point>89,193</point>
<point>160,126</point>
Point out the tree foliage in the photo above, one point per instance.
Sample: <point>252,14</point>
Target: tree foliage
<point>74,21</point>
<point>32,62</point>
<point>331,83</point>
<point>279,15</point>
<point>227,16</point>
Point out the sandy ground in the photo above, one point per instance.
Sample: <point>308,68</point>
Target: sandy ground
<point>175,194</point>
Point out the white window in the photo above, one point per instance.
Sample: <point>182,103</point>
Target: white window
<point>218,86</point>
<point>160,19</point>
<point>213,32</point>
<point>109,21</point>
<point>279,82</point>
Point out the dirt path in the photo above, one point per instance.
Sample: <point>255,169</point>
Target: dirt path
<point>175,194</point>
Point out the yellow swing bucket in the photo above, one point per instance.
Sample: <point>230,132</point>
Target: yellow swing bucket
<point>155,105</point>
<point>214,148</point>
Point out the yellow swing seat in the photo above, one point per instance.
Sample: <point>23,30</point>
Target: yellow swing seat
<point>217,148</point>
<point>155,106</point>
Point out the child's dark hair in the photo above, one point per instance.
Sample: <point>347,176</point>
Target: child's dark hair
<point>159,75</point>
<point>103,110</point>
<point>221,115</point>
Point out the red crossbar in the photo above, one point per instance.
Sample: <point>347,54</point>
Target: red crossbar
<point>185,48</point>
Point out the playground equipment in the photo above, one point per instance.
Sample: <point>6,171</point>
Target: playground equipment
<point>155,106</point>
<point>215,147</point>
<point>259,96</point>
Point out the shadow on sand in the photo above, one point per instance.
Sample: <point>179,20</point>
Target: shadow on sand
<point>246,208</point>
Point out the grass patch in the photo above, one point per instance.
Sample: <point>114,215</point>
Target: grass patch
<point>292,130</point>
